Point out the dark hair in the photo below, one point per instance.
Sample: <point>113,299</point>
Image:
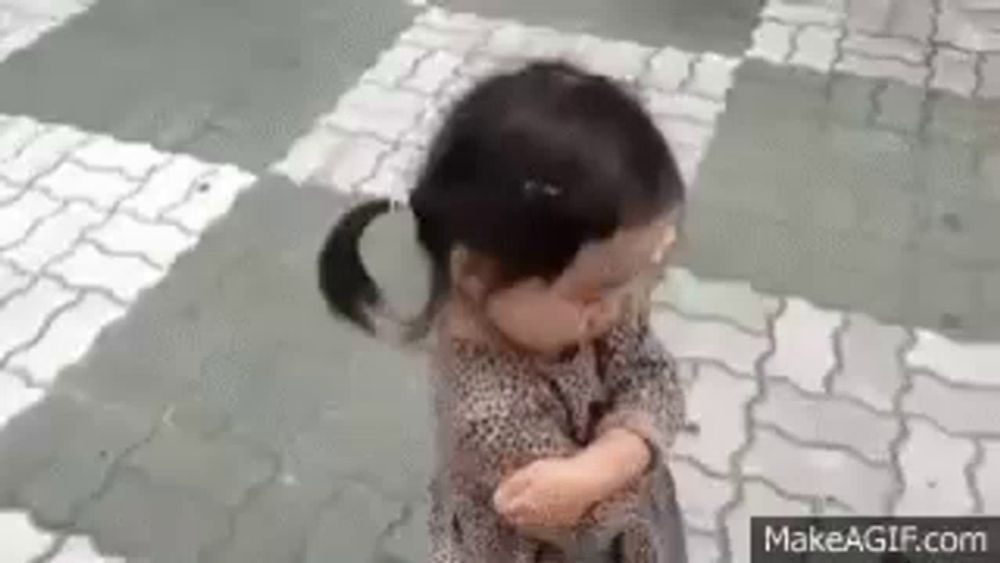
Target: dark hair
<point>527,168</point>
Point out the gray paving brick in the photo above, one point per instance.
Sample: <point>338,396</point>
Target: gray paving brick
<point>218,469</point>
<point>954,71</point>
<point>872,16</point>
<point>964,411</point>
<point>804,352</point>
<point>350,529</point>
<point>990,87</point>
<point>701,496</point>
<point>826,420</point>
<point>733,301</point>
<point>933,469</point>
<point>913,19</point>
<point>877,47</point>
<point>758,499</point>
<point>870,367</point>
<point>143,522</point>
<point>819,472</point>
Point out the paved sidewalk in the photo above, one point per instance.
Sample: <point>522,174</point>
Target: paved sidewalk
<point>172,390</point>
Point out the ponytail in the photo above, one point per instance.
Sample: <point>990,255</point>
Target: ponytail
<point>345,284</point>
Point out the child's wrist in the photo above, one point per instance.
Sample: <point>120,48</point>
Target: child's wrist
<point>613,461</point>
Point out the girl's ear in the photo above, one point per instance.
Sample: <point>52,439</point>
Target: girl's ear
<point>469,275</point>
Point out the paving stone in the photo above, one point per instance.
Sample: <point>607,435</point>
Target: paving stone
<point>961,363</point>
<point>871,370</point>
<point>11,281</point>
<point>990,88</point>
<point>883,68</point>
<point>395,64</point>
<point>684,132</point>
<point>54,236</point>
<point>963,411</point>
<point>42,154</point>
<point>878,47</point>
<point>987,478</point>
<point>211,200</point>
<point>872,16</point>
<point>16,218</point>
<point>167,187</point>
<point>350,162</point>
<point>15,397</point>
<point>131,159</point>
<point>713,75</point>
<point>703,547</point>
<point>310,153</point>
<point>145,523</point>
<point>409,543</point>
<point>78,549</point>
<point>933,466</point>
<point>735,302</point>
<point>516,42</point>
<point>161,243</point>
<point>819,472</point>
<point>445,19</point>
<point>221,470</point>
<point>954,71</point>
<point>826,12</point>
<point>67,339</point>
<point>455,40</point>
<point>350,528</point>
<point>668,69</point>
<point>816,48</point>
<point>23,542</point>
<point>676,104</point>
<point>701,497</point>
<point>804,350</point>
<point>17,134</point>
<point>622,60</point>
<point>25,315</point>
<point>772,42</point>
<point>688,339</point>
<point>369,108</point>
<point>829,421</point>
<point>956,28</point>
<point>758,500</point>
<point>102,189</point>
<point>125,277</point>
<point>913,19</point>
<point>76,463</point>
<point>716,405</point>
<point>433,72</point>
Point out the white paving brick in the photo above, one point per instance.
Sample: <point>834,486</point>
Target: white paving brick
<point>954,71</point>
<point>679,104</point>
<point>669,69</point>
<point>42,154</point>
<point>439,18</point>
<point>685,132</point>
<point>159,242</point>
<point>9,192</point>
<point>124,277</point>
<point>885,47</point>
<point>733,301</point>
<point>758,500</point>
<point>703,547</point>
<point>987,478</point>
<point>520,42</point>
<point>132,159</point>
<point>67,339</point>
<point>455,40</point>
<point>80,549</point>
<point>370,108</point>
<point>25,315</point>
<point>871,370</point>
<point>16,134</point>
<point>18,216</point>
<point>11,281</point>
<point>395,64</point>
<point>913,19</point>
<point>22,541</point>
<point>55,236</point>
<point>623,60</point>
<point>872,16</point>
<point>688,161</point>
<point>914,75</point>
<point>819,472</point>
<point>828,12</point>
<point>103,189</point>
<point>309,154</point>
<point>717,405</point>
<point>817,48</point>
<point>990,88</point>
<point>700,496</point>
<point>713,75</point>
<point>434,72</point>
<point>167,187</point>
<point>959,362</point>
<point>15,398</point>
<point>213,199</point>
<point>804,338</point>
<point>772,41</point>
<point>19,30</point>
<point>350,162</point>
<point>959,410</point>
<point>688,339</point>
<point>956,28</point>
<point>933,467</point>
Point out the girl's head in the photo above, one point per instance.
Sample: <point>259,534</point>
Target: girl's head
<point>546,193</point>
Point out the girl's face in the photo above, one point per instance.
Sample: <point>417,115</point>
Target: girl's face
<point>589,297</point>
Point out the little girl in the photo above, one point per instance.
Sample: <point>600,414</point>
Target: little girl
<point>545,206</point>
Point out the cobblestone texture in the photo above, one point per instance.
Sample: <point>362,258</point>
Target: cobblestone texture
<point>934,472</point>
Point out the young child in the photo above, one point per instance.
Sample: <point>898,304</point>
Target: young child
<point>546,203</point>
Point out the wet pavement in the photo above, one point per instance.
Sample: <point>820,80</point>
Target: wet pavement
<point>172,390</point>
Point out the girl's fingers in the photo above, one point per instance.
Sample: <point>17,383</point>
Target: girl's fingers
<point>513,486</point>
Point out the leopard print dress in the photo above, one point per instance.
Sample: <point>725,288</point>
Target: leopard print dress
<point>498,410</point>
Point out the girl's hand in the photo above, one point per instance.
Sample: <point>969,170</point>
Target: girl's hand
<point>549,493</point>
